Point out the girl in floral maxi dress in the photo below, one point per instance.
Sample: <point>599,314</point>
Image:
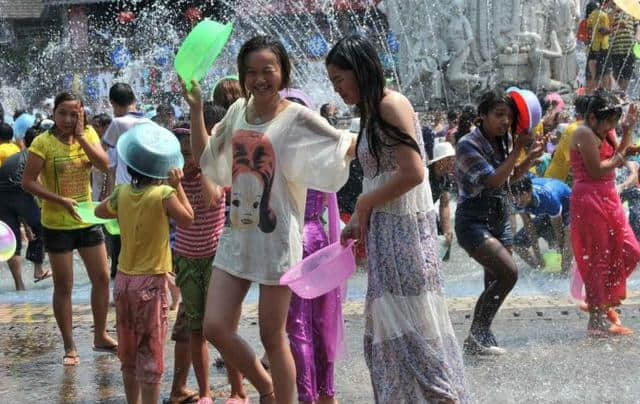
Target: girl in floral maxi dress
<point>604,245</point>
<point>409,344</point>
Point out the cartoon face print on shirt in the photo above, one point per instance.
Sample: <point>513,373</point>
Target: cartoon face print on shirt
<point>254,165</point>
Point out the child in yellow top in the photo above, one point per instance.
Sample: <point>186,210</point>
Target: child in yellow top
<point>143,209</point>
<point>7,147</point>
<point>598,69</point>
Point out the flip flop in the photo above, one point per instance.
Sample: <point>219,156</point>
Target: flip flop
<point>70,360</point>
<point>44,276</point>
<point>109,349</point>
<point>189,397</point>
<point>614,330</point>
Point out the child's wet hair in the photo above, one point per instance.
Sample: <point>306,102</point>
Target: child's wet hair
<point>102,120</point>
<point>213,113</point>
<point>465,120</point>
<point>30,135</point>
<point>140,180</point>
<point>64,97</point>
<point>580,104</point>
<point>603,105</point>
<point>492,99</point>
<point>181,133</point>
<point>258,43</point>
<point>226,92</point>
<point>6,132</point>
<point>521,186</point>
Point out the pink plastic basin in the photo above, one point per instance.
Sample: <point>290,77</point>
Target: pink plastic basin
<point>322,271</point>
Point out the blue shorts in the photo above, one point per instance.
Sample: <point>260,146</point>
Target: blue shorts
<point>481,218</point>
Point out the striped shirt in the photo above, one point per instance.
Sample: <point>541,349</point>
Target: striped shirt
<point>200,240</point>
<point>624,33</point>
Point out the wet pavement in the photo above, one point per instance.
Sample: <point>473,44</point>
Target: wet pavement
<point>550,359</point>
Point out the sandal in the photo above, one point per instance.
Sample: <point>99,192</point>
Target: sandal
<point>612,314</point>
<point>42,277</point>
<point>71,360</point>
<point>189,396</point>
<point>614,330</point>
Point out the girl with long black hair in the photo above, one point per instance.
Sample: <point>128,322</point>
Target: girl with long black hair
<point>410,347</point>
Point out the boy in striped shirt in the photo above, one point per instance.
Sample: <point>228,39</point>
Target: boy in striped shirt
<point>193,254</point>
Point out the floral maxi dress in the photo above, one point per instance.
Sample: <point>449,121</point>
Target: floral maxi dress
<point>409,344</point>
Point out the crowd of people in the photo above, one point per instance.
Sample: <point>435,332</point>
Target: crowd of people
<point>260,168</point>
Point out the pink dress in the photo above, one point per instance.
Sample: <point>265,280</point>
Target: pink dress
<point>605,248</point>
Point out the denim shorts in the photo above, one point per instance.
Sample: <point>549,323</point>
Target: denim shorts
<point>61,241</point>
<point>478,219</point>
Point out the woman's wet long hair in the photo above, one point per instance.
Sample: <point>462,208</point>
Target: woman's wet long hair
<point>356,53</point>
<point>603,105</point>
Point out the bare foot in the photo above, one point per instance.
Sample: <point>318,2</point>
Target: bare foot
<point>327,400</point>
<point>104,341</point>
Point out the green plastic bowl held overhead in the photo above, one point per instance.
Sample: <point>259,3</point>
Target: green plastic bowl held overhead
<point>200,50</point>
<point>150,150</point>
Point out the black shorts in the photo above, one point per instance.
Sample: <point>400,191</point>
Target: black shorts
<point>481,218</point>
<point>602,63</point>
<point>622,65</point>
<point>61,241</point>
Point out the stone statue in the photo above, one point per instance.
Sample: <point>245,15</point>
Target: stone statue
<point>565,19</point>
<point>443,45</point>
<point>458,38</point>
<point>507,25</point>
<point>540,60</point>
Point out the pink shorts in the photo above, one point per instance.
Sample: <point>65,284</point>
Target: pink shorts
<point>142,309</point>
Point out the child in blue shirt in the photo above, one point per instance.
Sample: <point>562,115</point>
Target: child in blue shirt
<point>547,200</point>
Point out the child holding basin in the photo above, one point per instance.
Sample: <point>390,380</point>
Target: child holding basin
<point>143,208</point>
<point>270,151</point>
<point>486,159</point>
